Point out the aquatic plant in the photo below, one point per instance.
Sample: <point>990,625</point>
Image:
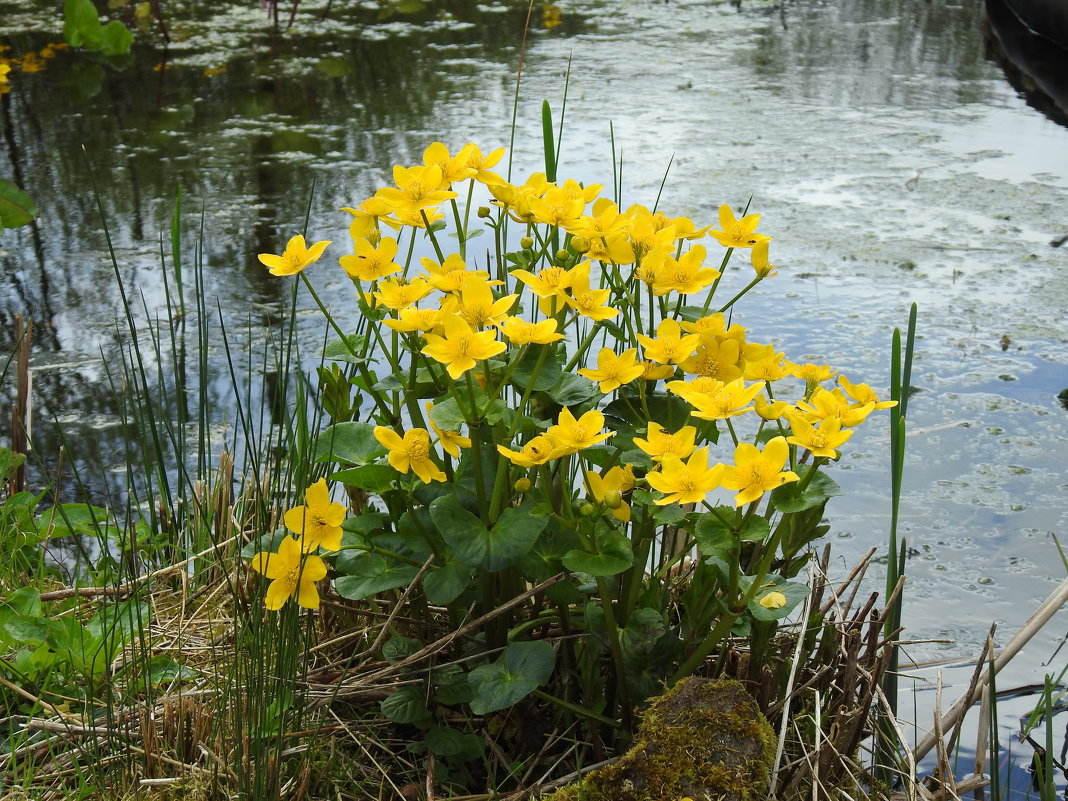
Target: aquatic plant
<point>567,449</point>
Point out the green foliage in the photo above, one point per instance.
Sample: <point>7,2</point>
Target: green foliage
<point>82,28</point>
<point>16,207</point>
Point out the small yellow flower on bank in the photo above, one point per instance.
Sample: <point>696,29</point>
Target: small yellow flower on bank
<point>670,345</point>
<point>737,233</point>
<point>685,482</point>
<point>537,451</point>
<point>451,441</point>
<point>610,488</point>
<point>613,371</point>
<point>755,472</point>
<point>317,523</point>
<point>370,263</point>
<point>661,443</point>
<point>572,436</point>
<point>410,452</point>
<point>292,573</point>
<point>295,258</point>
<point>462,347</point>
<point>523,332</point>
<point>772,600</point>
<point>821,440</point>
<point>417,189</point>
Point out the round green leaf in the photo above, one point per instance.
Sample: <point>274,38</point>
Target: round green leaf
<point>614,555</point>
<point>521,669</point>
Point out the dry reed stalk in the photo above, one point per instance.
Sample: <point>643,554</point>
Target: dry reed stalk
<point>1032,626</point>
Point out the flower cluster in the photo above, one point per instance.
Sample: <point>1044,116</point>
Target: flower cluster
<point>591,354</point>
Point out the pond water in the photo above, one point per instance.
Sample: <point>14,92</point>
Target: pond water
<point>891,160</point>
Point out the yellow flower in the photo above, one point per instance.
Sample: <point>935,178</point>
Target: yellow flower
<point>399,293</point>
<point>588,302</point>
<point>462,347</point>
<point>715,358</point>
<point>685,482</point>
<point>451,441</point>
<point>296,257</point>
<point>770,410</point>
<point>558,206</point>
<point>821,441</point>
<point>522,332</point>
<point>5,68</point>
<point>417,188</point>
<point>412,319</point>
<point>651,371</point>
<point>811,374</point>
<point>661,443</point>
<point>832,405</point>
<point>481,163</point>
<point>291,572</point>
<point>755,472</point>
<point>369,262</point>
<point>670,346</point>
<point>863,394</point>
<point>317,523</point>
<point>613,371</point>
<point>729,401</point>
<point>685,274</point>
<point>537,451</point>
<point>477,306</point>
<point>762,363</point>
<point>451,275</point>
<point>453,168</point>
<point>759,256</point>
<point>737,233</point>
<point>572,435</point>
<point>365,217</point>
<point>610,488</point>
<point>410,453</point>
<point>550,282</point>
<point>772,600</point>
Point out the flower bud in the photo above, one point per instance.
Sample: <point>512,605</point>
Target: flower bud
<point>522,485</point>
<point>580,244</point>
<point>483,212</point>
<point>587,509</point>
<point>563,255</point>
<point>526,243</point>
<point>613,499</point>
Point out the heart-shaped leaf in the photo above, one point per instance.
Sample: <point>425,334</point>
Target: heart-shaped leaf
<point>521,669</point>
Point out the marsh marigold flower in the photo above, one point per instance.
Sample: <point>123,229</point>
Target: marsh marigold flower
<point>538,450</point>
<point>295,258</point>
<point>737,233</point>
<point>772,600</point>
<point>588,302</point>
<point>369,262</point>
<point>670,345</point>
<point>661,443</point>
<point>572,435</point>
<point>754,472</point>
<point>410,452</point>
<point>821,440</point>
<point>523,332</point>
<point>614,371</point>
<point>292,573</point>
<point>462,347</point>
<point>610,488</point>
<point>318,522</point>
<point>451,441</point>
<point>417,188</point>
<point>685,482</point>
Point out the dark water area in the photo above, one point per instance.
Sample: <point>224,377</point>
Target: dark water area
<point>891,158</point>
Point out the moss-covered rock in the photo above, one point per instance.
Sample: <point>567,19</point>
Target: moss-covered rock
<point>703,739</point>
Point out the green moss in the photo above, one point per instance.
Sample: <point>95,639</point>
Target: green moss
<point>703,739</point>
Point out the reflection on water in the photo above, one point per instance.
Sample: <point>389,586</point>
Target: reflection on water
<point>891,161</point>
